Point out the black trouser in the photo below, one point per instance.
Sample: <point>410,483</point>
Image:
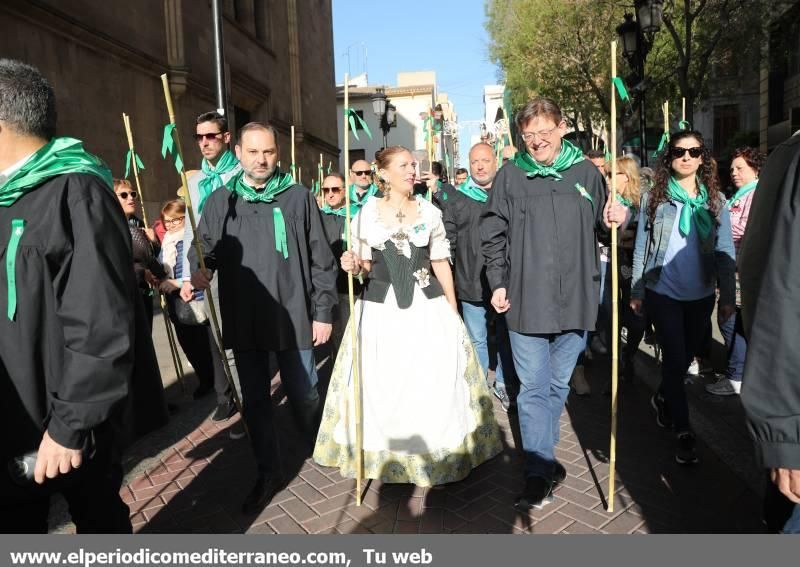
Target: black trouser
<point>91,491</point>
<point>681,328</point>
<point>197,341</point>
<point>635,324</point>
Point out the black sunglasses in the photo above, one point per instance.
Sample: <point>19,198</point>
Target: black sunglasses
<point>212,136</point>
<point>124,194</point>
<point>365,172</point>
<point>678,153</point>
<point>331,189</point>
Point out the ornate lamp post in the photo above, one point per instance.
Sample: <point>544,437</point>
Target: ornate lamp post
<point>636,38</point>
<point>385,111</point>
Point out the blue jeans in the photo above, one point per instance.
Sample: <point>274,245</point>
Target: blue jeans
<point>477,317</point>
<point>544,364</point>
<point>735,344</point>
<point>298,378</point>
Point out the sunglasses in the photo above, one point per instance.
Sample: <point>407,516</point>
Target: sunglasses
<point>209,137</point>
<point>365,172</point>
<point>678,153</point>
<point>331,190</point>
<point>124,195</point>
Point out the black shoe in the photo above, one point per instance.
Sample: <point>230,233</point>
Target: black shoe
<point>559,474</point>
<point>260,495</point>
<point>202,391</point>
<point>685,453</point>
<point>538,493</point>
<point>663,418</point>
<point>224,411</point>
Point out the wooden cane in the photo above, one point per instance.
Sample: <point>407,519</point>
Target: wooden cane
<point>207,292</point>
<point>171,338</point>
<point>614,290</point>
<point>353,319</point>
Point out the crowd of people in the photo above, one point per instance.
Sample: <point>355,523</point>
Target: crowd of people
<point>506,273</point>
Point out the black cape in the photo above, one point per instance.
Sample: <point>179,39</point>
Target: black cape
<point>769,272</point>
<point>462,218</point>
<point>67,356</point>
<point>539,241</point>
<point>267,301</point>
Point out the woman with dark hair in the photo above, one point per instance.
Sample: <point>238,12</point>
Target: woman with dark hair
<point>426,409</point>
<point>745,166</point>
<point>683,250</point>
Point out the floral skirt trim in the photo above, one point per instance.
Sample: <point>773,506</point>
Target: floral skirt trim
<point>433,468</point>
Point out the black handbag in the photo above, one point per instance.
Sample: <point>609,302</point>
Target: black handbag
<point>192,313</point>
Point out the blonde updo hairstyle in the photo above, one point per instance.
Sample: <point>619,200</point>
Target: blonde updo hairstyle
<point>382,161</point>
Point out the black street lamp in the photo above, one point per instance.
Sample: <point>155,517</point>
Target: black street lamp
<point>385,111</point>
<point>636,37</point>
<point>438,116</point>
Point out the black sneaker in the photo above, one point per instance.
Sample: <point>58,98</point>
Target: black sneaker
<point>559,474</point>
<point>663,418</point>
<point>538,494</point>
<point>685,454</point>
<point>224,411</point>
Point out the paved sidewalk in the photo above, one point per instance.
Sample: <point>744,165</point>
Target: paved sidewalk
<point>198,483</point>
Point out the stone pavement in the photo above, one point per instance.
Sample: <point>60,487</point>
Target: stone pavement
<point>194,478</point>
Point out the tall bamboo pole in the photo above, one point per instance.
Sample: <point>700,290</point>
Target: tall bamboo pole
<point>321,176</point>
<point>614,291</point>
<point>353,319</point>
<point>666,116</point>
<point>293,166</point>
<point>171,338</point>
<point>683,109</point>
<point>206,293</point>
<point>431,149</point>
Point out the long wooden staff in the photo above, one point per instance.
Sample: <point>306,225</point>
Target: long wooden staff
<point>319,183</point>
<point>173,346</point>
<point>353,318</point>
<point>614,290</point>
<point>293,166</point>
<point>207,292</point>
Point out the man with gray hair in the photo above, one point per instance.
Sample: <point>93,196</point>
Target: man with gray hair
<point>263,235</point>
<point>67,328</point>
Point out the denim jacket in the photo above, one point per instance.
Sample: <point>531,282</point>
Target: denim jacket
<point>718,254</point>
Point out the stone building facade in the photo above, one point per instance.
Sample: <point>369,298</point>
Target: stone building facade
<point>105,58</point>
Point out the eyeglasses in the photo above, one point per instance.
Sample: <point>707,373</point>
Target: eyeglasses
<point>173,222</point>
<point>543,134</point>
<point>359,173</point>
<point>124,195</point>
<point>327,190</point>
<point>678,153</point>
<point>209,137</point>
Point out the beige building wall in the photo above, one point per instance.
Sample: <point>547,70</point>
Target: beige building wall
<point>104,58</point>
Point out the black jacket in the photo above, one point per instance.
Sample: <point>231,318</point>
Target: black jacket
<point>462,218</point>
<point>267,301</point>
<point>769,272</point>
<point>539,239</point>
<point>67,356</point>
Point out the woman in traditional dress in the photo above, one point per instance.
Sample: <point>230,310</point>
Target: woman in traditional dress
<point>426,410</point>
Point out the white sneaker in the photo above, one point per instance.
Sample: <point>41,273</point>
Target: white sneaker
<point>694,368</point>
<point>725,387</point>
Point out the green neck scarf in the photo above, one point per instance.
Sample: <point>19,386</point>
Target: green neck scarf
<point>361,201</point>
<point>341,211</point>
<point>692,208</point>
<point>742,191</point>
<point>472,191</point>
<point>625,202</point>
<point>213,176</point>
<point>567,157</point>
<point>277,184</point>
<point>58,157</point>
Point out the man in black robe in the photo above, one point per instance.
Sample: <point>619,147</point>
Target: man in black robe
<point>462,219</point>
<point>539,236</point>
<point>769,272</point>
<point>263,236</point>
<point>67,326</point>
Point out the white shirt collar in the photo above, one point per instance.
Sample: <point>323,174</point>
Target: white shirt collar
<point>8,172</point>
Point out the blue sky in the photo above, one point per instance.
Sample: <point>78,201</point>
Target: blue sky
<point>383,38</point>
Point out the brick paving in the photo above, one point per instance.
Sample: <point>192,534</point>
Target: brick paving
<point>198,483</point>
